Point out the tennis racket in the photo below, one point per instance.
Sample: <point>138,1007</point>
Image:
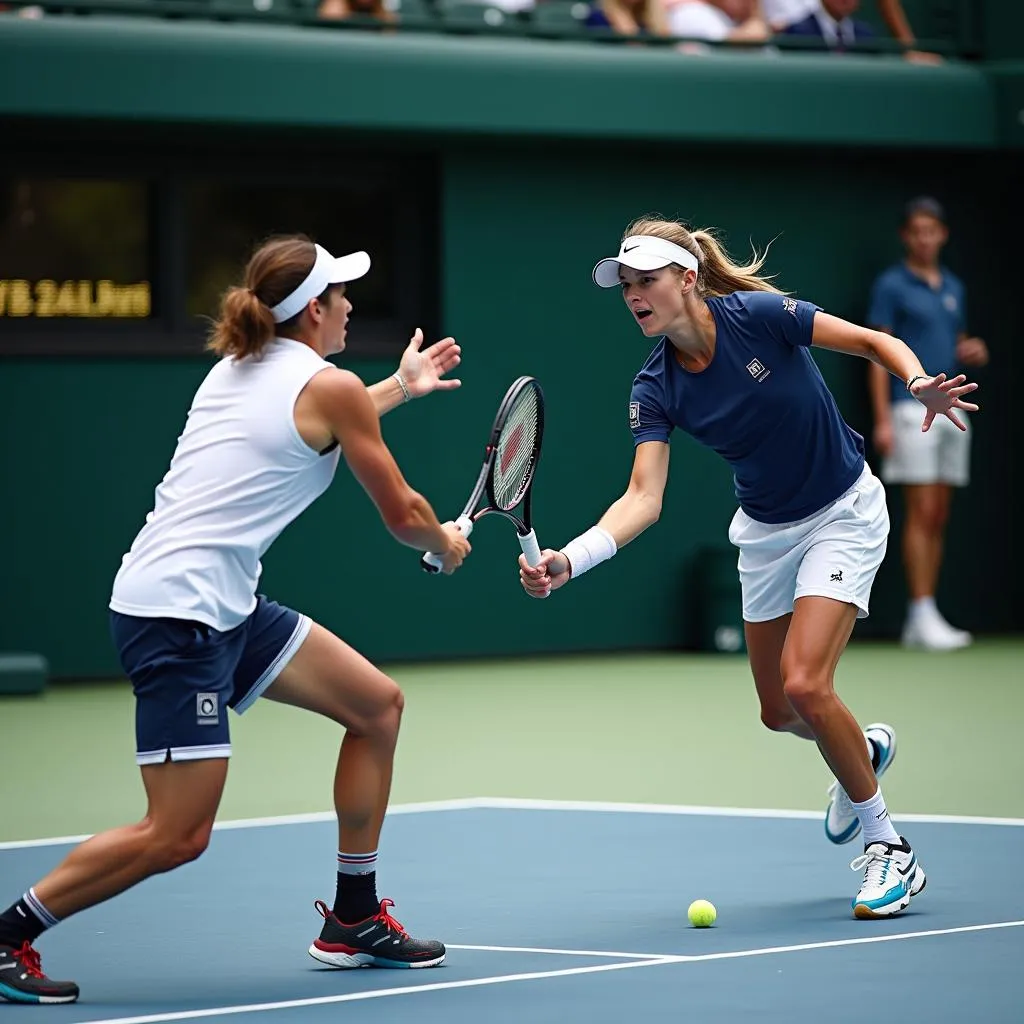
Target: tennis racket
<point>510,461</point>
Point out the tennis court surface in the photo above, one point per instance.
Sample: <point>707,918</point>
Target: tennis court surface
<point>556,911</point>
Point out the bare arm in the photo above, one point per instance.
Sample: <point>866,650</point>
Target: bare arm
<point>939,395</point>
<point>894,17</point>
<point>348,411</point>
<point>891,354</point>
<point>625,519</point>
<point>386,395</point>
<point>640,506</point>
<point>620,18</point>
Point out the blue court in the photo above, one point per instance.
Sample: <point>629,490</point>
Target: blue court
<point>556,912</point>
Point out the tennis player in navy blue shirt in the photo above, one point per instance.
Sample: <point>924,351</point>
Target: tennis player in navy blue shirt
<point>731,366</point>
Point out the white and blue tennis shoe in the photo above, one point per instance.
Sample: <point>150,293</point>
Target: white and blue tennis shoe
<point>892,875</point>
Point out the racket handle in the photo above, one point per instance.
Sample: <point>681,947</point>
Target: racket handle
<point>432,563</point>
<point>530,547</point>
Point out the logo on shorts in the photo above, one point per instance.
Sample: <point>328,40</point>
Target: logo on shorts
<point>206,709</point>
<point>634,415</point>
<point>757,370</point>
<point>836,577</point>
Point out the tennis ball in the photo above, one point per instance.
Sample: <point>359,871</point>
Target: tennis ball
<point>702,914</point>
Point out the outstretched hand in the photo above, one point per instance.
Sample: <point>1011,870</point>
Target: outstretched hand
<point>943,397</point>
<point>425,371</point>
<point>552,572</point>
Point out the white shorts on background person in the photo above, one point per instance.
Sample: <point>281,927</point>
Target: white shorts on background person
<point>833,553</point>
<point>940,455</point>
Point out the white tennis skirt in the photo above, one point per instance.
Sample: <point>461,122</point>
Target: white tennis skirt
<point>834,553</point>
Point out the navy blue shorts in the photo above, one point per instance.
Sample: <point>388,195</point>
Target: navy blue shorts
<point>186,675</point>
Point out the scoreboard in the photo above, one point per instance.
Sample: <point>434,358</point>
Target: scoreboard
<point>120,257</point>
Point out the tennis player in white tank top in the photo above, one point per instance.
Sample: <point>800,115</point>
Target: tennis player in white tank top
<point>262,441</point>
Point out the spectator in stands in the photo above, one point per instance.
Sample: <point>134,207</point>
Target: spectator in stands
<point>833,23</point>
<point>718,21</point>
<point>629,17</point>
<point>922,303</point>
<point>780,14</point>
<point>337,10</point>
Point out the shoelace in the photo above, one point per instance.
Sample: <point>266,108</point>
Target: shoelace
<point>29,959</point>
<point>388,921</point>
<point>841,800</point>
<point>877,865</point>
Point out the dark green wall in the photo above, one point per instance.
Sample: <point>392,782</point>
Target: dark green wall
<point>84,442</point>
<point>284,76</point>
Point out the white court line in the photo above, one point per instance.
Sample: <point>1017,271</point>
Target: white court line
<point>502,803</point>
<point>527,804</point>
<point>312,817</point>
<point>502,979</point>
<point>563,952</point>
<point>380,993</point>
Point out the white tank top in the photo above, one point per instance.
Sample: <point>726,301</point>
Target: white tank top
<point>240,474</point>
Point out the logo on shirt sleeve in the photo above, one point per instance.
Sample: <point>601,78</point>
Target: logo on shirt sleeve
<point>789,305</point>
<point>634,415</point>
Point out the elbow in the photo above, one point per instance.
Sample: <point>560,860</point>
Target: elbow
<point>648,508</point>
<point>406,514</point>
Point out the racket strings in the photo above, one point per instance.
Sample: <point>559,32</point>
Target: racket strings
<point>514,459</point>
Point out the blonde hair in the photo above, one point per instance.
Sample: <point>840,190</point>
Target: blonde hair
<point>245,326</point>
<point>717,274</point>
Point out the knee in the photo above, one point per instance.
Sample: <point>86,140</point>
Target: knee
<point>169,849</point>
<point>808,694</point>
<point>384,722</point>
<point>930,517</point>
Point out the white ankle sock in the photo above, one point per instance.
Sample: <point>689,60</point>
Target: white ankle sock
<point>874,819</point>
<point>923,607</point>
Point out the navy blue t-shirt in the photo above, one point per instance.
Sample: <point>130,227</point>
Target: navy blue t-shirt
<point>761,403</point>
<point>928,319</point>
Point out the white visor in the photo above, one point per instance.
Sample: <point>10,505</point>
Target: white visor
<point>327,270</point>
<point>642,252</point>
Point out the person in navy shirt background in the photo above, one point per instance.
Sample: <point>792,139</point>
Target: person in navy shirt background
<point>923,302</point>
<point>732,367</point>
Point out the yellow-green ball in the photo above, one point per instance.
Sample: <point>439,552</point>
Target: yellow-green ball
<point>702,914</point>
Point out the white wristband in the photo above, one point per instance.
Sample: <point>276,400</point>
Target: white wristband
<point>588,549</point>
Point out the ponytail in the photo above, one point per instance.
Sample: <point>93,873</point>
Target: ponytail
<point>245,326</point>
<point>718,275</point>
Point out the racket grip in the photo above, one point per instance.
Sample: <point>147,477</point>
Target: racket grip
<point>531,549</point>
<point>432,563</point>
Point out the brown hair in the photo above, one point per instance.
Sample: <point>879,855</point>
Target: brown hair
<point>717,274</point>
<point>245,325</point>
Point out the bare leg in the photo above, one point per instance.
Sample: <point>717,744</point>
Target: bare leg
<point>183,800</point>
<point>765,643</point>
<point>927,511</point>
<point>818,634</point>
<point>329,677</point>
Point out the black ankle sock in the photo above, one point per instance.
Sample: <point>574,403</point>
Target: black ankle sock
<point>18,924</point>
<point>357,897</point>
